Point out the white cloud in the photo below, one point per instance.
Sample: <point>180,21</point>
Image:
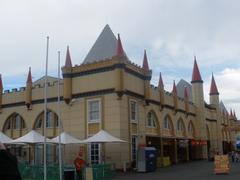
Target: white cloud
<point>228,87</point>
<point>171,31</point>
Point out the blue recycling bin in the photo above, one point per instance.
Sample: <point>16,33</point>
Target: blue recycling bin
<point>147,159</point>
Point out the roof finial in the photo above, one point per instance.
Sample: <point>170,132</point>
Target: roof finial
<point>160,82</point>
<point>29,78</point>
<point>196,76</point>
<point>213,88</point>
<point>174,87</point>
<point>120,51</point>
<point>68,61</point>
<point>145,62</point>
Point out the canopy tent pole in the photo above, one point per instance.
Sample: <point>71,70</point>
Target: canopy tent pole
<point>59,122</point>
<point>45,113</point>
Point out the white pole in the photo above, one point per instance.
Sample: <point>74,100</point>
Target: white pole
<point>59,122</point>
<point>45,112</point>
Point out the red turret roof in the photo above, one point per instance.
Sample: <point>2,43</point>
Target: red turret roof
<point>29,78</point>
<point>1,84</point>
<point>213,88</point>
<point>185,92</point>
<point>68,61</point>
<point>160,82</point>
<point>174,88</point>
<point>196,76</point>
<point>119,49</point>
<point>145,62</point>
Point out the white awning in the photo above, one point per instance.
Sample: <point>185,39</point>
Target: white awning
<point>66,139</point>
<point>32,137</point>
<point>4,138</point>
<point>103,137</point>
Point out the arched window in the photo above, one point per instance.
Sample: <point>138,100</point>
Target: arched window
<point>180,125</point>
<point>190,128</point>
<point>167,123</point>
<point>15,122</point>
<point>51,122</point>
<point>151,120</point>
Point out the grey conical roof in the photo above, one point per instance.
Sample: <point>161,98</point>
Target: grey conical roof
<point>180,89</point>
<point>222,107</point>
<point>104,47</point>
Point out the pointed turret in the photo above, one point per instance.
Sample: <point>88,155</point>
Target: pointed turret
<point>145,62</point>
<point>1,91</point>
<point>148,75</point>
<point>68,61</point>
<point>28,100</point>
<point>175,96</point>
<point>67,78</point>
<point>161,91</point>
<point>29,78</point>
<point>214,95</point>
<point>196,76</point>
<point>197,86</point>
<point>213,88</point>
<point>160,82</point>
<point>119,50</point>
<point>174,90</point>
<point>198,100</point>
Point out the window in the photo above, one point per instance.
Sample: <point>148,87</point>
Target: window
<point>133,110</point>
<point>17,124</point>
<point>180,126</point>
<point>134,148</point>
<point>151,120</point>
<point>39,123</point>
<point>94,111</point>
<point>167,124</point>
<point>50,120</point>
<point>94,153</point>
<point>190,128</point>
<point>8,126</point>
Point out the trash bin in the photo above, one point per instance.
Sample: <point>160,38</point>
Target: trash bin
<point>69,174</point>
<point>147,159</point>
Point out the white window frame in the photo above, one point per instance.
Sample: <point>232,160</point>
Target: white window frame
<point>100,110</point>
<point>90,153</point>
<point>136,110</point>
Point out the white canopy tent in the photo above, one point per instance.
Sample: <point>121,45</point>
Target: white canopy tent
<point>32,137</point>
<point>4,139</point>
<point>103,137</point>
<point>66,139</point>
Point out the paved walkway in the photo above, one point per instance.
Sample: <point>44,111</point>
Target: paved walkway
<point>198,170</point>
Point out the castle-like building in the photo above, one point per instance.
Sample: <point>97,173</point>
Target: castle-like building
<point>108,91</point>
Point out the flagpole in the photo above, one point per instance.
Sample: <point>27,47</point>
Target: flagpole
<point>45,112</point>
<point>59,122</point>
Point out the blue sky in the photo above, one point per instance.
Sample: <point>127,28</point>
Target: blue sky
<point>171,31</point>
